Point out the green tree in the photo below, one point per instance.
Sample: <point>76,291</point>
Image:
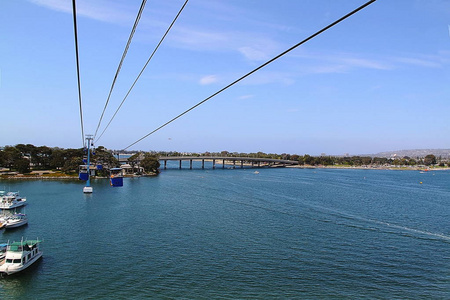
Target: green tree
<point>42,157</point>
<point>58,159</point>
<point>22,165</point>
<point>11,154</point>
<point>380,160</point>
<point>2,159</point>
<point>150,163</point>
<point>397,162</point>
<point>430,159</point>
<point>104,157</point>
<point>72,164</point>
<point>326,160</point>
<point>308,159</point>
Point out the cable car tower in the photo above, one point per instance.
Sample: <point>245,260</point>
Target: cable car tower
<point>88,188</point>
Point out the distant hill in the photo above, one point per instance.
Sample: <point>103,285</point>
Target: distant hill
<point>444,153</point>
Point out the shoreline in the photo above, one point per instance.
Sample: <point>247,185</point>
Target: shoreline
<point>41,176</point>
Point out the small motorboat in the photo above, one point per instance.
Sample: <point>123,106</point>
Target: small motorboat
<point>20,255</point>
<point>12,200</point>
<point>15,220</point>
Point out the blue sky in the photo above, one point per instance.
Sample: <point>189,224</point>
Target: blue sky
<point>378,81</point>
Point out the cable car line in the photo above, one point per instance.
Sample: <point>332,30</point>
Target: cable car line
<point>78,68</point>
<point>138,17</point>
<point>140,73</point>
<point>254,70</point>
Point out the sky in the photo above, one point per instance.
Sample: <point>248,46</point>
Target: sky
<point>377,81</point>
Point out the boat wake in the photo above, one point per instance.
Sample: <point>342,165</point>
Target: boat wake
<point>416,231</point>
<point>403,229</point>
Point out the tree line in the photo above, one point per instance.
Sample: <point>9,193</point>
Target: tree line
<point>326,160</point>
<point>26,157</point>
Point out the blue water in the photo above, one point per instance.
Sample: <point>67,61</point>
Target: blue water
<point>234,234</point>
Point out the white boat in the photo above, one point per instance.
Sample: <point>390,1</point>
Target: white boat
<point>4,215</point>
<point>12,200</point>
<point>15,220</point>
<point>20,255</point>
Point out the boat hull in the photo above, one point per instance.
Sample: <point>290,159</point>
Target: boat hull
<point>9,269</point>
<point>15,224</point>
<point>15,205</point>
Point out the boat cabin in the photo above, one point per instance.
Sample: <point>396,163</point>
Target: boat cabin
<point>20,255</point>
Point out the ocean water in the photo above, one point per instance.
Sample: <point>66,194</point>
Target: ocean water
<point>232,234</point>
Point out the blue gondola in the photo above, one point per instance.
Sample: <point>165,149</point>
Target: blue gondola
<point>116,177</point>
<point>83,172</point>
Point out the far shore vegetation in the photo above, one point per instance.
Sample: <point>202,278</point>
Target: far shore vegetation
<point>30,161</point>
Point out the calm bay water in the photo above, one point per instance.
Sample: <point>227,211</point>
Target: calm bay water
<point>234,234</point>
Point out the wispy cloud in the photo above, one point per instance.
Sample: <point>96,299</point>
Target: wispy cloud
<point>248,44</point>
<point>267,77</point>
<point>200,40</point>
<point>245,97</point>
<point>254,54</point>
<point>418,62</point>
<point>427,61</point>
<point>338,62</point>
<point>101,10</point>
<point>254,46</point>
<point>208,79</point>
<point>318,62</point>
<point>367,63</point>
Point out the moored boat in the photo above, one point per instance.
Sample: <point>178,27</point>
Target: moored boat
<point>15,220</point>
<point>12,200</point>
<point>20,255</point>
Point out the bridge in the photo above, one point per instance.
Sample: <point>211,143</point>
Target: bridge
<point>248,161</point>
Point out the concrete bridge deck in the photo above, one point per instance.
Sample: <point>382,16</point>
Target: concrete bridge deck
<point>249,161</point>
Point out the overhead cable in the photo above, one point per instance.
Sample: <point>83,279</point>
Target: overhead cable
<point>138,17</point>
<point>78,68</point>
<point>254,70</point>
<point>140,73</point>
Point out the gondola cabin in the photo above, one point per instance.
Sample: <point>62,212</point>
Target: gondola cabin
<point>116,177</point>
<point>83,172</point>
